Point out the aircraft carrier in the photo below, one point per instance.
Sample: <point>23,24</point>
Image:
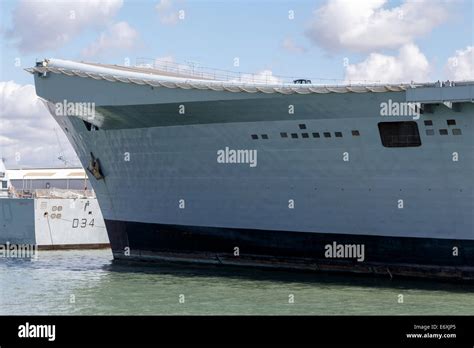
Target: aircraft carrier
<point>188,167</point>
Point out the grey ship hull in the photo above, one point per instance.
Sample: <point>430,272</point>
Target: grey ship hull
<point>52,223</point>
<point>172,157</point>
<point>17,223</point>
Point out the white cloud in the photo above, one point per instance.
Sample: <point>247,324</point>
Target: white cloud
<point>461,65</point>
<point>289,45</point>
<point>165,59</point>
<point>164,5</point>
<point>368,25</point>
<point>264,76</point>
<point>27,129</point>
<point>168,63</point>
<point>48,24</point>
<point>189,68</point>
<point>409,65</point>
<point>119,36</point>
<point>170,18</point>
<point>167,13</point>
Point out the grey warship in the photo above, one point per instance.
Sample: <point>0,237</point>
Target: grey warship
<point>202,169</point>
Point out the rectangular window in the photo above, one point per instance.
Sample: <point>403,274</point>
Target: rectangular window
<point>284,135</point>
<point>338,134</point>
<point>305,135</point>
<point>254,136</point>
<point>4,185</point>
<point>428,123</point>
<point>264,136</point>
<point>457,131</point>
<point>451,122</point>
<point>399,134</point>
<point>316,135</point>
<point>443,132</point>
<point>302,126</point>
<point>327,134</point>
<point>294,135</point>
<point>355,133</point>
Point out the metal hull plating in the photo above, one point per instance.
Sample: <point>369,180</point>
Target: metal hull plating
<point>421,257</point>
<point>53,223</point>
<point>160,169</point>
<point>16,221</point>
<point>69,224</point>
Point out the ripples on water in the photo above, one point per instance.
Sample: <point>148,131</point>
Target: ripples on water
<point>51,283</point>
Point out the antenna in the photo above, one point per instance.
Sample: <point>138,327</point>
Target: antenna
<point>61,155</point>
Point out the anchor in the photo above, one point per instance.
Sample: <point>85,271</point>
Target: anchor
<point>94,168</point>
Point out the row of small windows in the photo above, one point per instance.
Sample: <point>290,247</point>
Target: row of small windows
<point>355,133</point>
<point>449,122</point>
<point>456,131</point>
<point>393,134</point>
<point>314,135</point>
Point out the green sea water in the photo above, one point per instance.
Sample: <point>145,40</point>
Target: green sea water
<point>90,283</point>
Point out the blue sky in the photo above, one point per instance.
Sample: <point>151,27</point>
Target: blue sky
<point>348,40</point>
<point>214,32</point>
